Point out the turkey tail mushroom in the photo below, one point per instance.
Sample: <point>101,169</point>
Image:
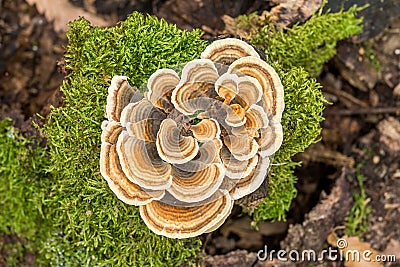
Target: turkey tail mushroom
<point>172,146</point>
<point>273,101</point>
<point>194,143</point>
<point>184,222</point>
<point>226,51</point>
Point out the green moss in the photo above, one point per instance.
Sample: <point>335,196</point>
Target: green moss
<point>23,186</point>
<point>81,221</point>
<point>304,104</point>
<point>371,55</point>
<point>309,45</point>
<point>356,220</point>
<point>93,226</point>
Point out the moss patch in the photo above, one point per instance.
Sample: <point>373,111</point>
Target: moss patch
<point>309,45</point>
<point>357,219</point>
<point>91,224</point>
<point>81,221</point>
<point>24,184</point>
<point>304,104</point>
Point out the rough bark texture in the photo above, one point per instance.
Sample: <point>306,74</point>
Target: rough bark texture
<point>312,233</point>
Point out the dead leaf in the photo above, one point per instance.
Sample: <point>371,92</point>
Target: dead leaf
<point>62,12</point>
<point>393,248</point>
<point>355,252</point>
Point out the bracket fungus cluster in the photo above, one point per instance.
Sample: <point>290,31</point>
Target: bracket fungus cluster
<point>195,142</point>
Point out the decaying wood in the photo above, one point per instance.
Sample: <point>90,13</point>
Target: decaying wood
<point>283,14</point>
<point>329,213</point>
<point>289,12</point>
<point>250,202</point>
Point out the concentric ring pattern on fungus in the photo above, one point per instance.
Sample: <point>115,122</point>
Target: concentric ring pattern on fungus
<point>196,141</point>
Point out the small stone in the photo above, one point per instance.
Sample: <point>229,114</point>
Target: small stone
<point>375,159</point>
<point>390,133</point>
<point>396,90</point>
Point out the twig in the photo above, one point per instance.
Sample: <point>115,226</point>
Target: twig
<point>347,96</point>
<point>321,153</point>
<point>360,111</point>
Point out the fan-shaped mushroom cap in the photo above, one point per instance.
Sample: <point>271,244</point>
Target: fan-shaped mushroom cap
<point>141,163</point>
<point>199,70</point>
<point>220,222</point>
<point>271,139</point>
<point>208,154</point>
<point>227,86</point>
<point>110,131</point>
<point>273,101</point>
<point>135,112</point>
<point>252,182</point>
<point>111,170</point>
<point>242,147</point>
<point>256,118</point>
<point>250,92</point>
<point>123,188</point>
<point>207,129</point>
<point>145,130</point>
<point>236,169</point>
<point>185,222</point>
<point>236,115</point>
<point>197,82</point>
<point>160,85</point>
<point>226,51</point>
<point>172,146</point>
<point>120,94</point>
<point>196,185</point>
